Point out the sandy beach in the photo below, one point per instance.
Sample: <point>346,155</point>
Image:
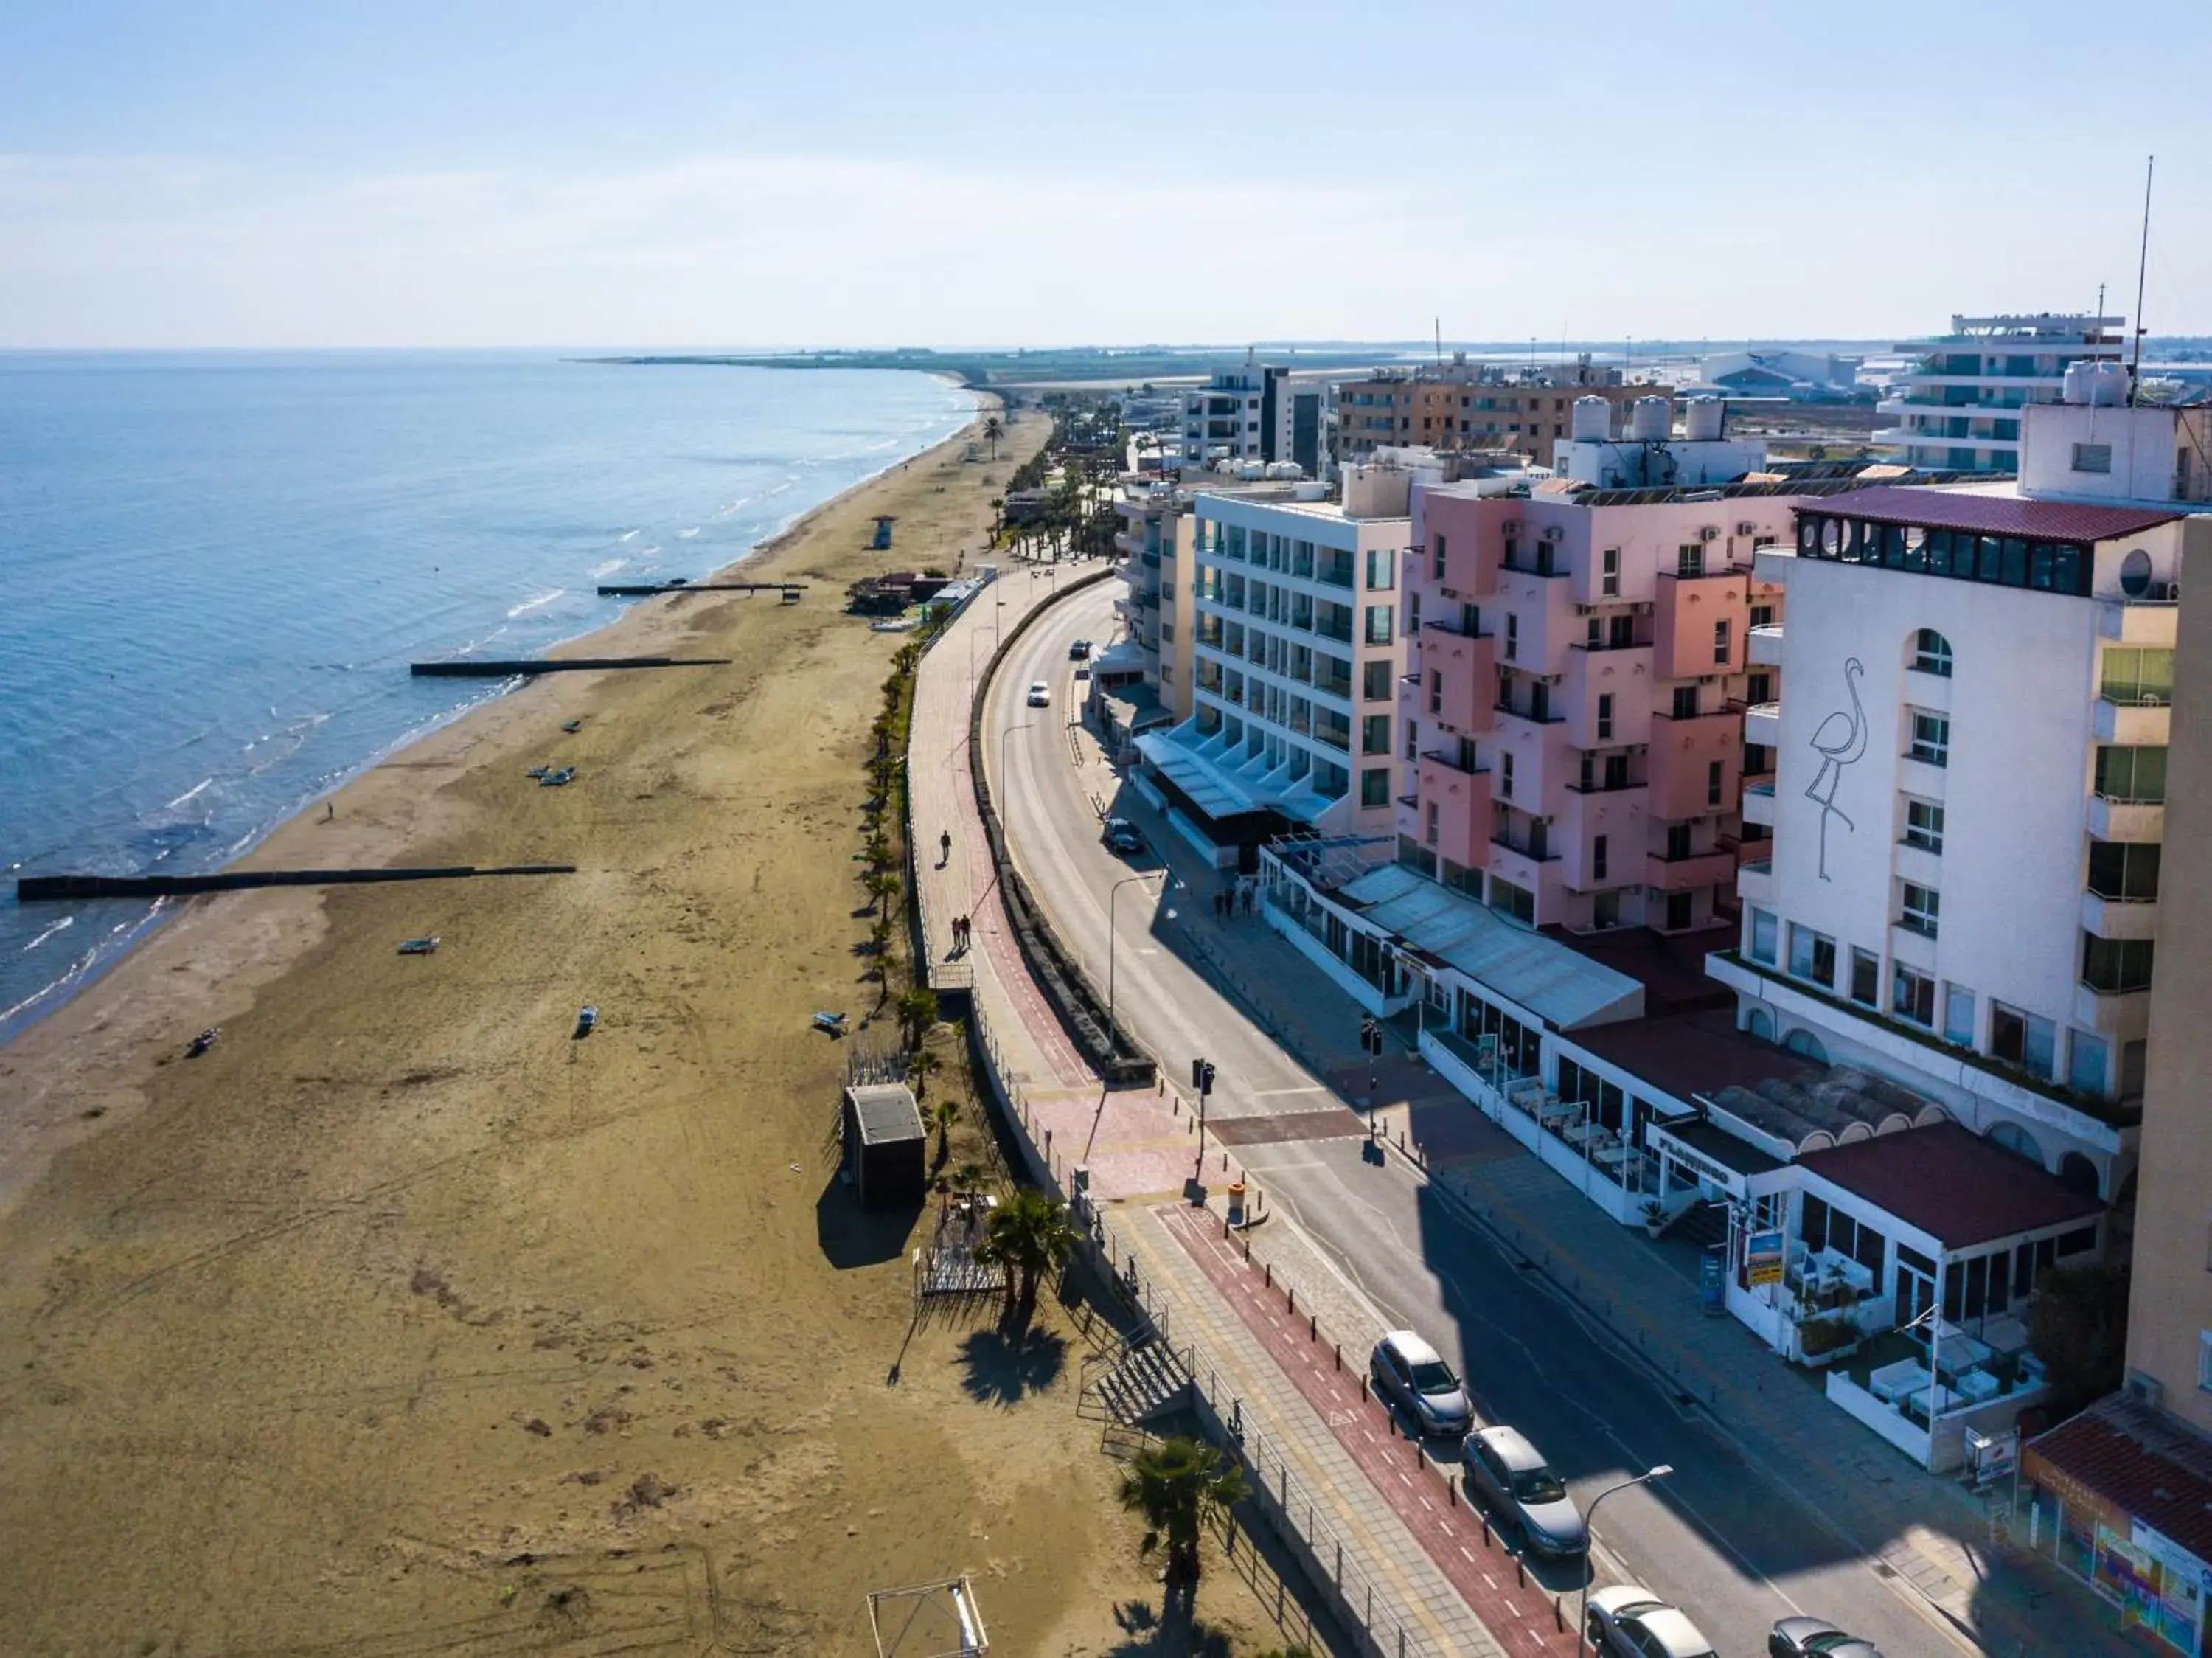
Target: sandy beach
<point>401,1322</point>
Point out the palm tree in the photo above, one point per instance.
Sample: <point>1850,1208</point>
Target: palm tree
<point>917,1012</point>
<point>970,1177</point>
<point>920,1065</point>
<point>1029,1235</point>
<point>1177,1485</point>
<point>994,432</point>
<point>942,1117</point>
<point>882,886</point>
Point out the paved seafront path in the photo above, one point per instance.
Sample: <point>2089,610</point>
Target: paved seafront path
<point>1139,1154</point>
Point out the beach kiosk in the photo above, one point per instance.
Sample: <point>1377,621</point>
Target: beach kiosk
<point>886,1147</point>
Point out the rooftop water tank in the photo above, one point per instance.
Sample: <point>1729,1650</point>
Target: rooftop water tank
<point>2108,385</point>
<point>1289,469</point>
<point>2077,382</point>
<point>1311,490</point>
<point>1251,471</point>
<point>1592,420</point>
<point>1701,418</point>
<point>1649,422</point>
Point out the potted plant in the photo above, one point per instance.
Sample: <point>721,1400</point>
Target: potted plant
<point>1654,1216</point>
<point>1822,1341</point>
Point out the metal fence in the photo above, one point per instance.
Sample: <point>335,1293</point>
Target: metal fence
<point>1368,1612</point>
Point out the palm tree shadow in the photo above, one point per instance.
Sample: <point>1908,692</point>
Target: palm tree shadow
<point>1175,1630</point>
<point>1002,1368</point>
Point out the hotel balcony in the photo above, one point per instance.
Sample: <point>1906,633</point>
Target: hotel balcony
<point>2139,621</point>
<point>1460,795</point>
<point>1683,875</point>
<point>1688,608</point>
<point>2134,725</point>
<point>2118,917</point>
<point>1762,724</point>
<point>1765,650</point>
<point>1681,760</point>
<point>1754,883</point>
<point>1758,803</point>
<point>1468,665</point>
<point>1622,672</point>
<point>2112,819</point>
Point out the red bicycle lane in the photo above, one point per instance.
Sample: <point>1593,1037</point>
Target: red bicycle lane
<point>1520,1617</point>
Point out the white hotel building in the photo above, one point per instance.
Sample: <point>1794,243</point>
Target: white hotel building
<point>1295,659</point>
<point>1967,809</point>
<point>1959,408</point>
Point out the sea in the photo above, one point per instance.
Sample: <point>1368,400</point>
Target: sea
<point>214,567</point>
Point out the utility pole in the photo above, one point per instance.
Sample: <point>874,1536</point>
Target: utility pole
<point>1201,1078</point>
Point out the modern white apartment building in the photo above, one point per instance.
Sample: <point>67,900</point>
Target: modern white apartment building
<point>1296,655</point>
<point>1959,410</point>
<point>2092,446</point>
<point>1259,412</point>
<point>1967,809</point>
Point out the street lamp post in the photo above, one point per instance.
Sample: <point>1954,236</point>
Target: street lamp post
<point>1112,938</point>
<point>1658,1470</point>
<point>991,628</point>
<point>1025,725</point>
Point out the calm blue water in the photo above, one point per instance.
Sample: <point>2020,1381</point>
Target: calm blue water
<point>214,567</point>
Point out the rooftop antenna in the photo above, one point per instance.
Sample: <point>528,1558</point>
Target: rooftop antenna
<point>2143,263</point>
<point>1439,322</point>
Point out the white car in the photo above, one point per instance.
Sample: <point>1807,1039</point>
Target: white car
<point>1040,694</point>
<point>1629,1622</point>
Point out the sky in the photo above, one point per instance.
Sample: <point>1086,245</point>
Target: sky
<point>662,174</point>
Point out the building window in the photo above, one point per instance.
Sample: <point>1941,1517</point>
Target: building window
<point>1413,739</point>
<point>1721,642</point>
<point>1382,569</point>
<point>1512,637</point>
<point>1917,909</point>
<point>1608,583</point>
<point>1931,739</point>
<point>1604,715</point>
<point>1690,559</point>
<point>1436,692</point>
<point>1437,557</point>
<point>1716,775</point>
<point>1429,827</point>
<point>2138,678</point>
<point>1375,786</point>
<point>1931,653</point>
<point>1598,858</point>
<point>1762,615</point>
<point>1375,681</point>
<point>2022,1040</point>
<point>1763,928</point>
<point>2088,1057</point>
<point>1505,776</point>
<point>1912,996</point>
<point>2115,965</point>
<point>1375,735</point>
<point>1923,826</point>
<point>1866,978</point>
<point>1685,702</point>
<point>2134,777</point>
<point>1812,956</point>
<point>2093,457</point>
<point>1379,624</point>
<point>1958,1015</point>
<point>2118,869</point>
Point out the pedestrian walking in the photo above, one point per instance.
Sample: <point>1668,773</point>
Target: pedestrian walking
<point>945,849</point>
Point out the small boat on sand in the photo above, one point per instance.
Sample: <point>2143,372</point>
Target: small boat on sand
<point>587,1022</point>
<point>202,1042</point>
<point>560,780</point>
<point>418,946</point>
<point>573,727</point>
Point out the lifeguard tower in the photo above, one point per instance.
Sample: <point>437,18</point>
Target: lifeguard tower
<point>883,537</point>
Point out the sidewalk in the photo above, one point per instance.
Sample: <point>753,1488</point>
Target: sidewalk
<point>1924,1528</point>
<point>1135,1144</point>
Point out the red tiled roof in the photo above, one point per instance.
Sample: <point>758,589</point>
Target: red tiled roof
<point>1996,514</point>
<point>1951,1183</point>
<point>1700,1052</point>
<point>2142,1461</point>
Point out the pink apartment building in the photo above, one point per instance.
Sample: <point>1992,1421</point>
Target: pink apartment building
<point>1578,662</point>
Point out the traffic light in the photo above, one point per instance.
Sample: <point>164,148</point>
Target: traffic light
<point>1371,1037</point>
<point>1202,1076</point>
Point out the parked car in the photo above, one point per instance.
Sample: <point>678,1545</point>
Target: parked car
<point>1513,1476</point>
<point>1079,651</point>
<point>1122,836</point>
<point>1816,1637</point>
<point>1040,694</point>
<point>1631,1622</point>
<point>1412,1376</point>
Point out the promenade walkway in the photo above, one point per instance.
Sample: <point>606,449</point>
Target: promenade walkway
<point>1327,1476</point>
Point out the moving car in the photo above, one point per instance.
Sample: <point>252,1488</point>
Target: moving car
<point>1631,1622</point>
<point>1512,1475</point>
<point>1040,694</point>
<point>1412,1376</point>
<point>1816,1637</point>
<point>1079,651</point>
<point>1121,836</point>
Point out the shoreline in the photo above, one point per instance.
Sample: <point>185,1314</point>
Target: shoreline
<point>66,991</point>
<point>67,1075</point>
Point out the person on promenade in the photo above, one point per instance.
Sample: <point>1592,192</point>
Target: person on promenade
<point>945,849</point>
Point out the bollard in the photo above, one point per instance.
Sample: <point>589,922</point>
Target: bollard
<point>1292,1295</point>
<point>1340,1355</point>
<point>1485,1531</point>
<point>1270,1265</point>
<point>1313,1327</point>
<point>1451,1492</point>
<point>1247,1249</point>
<point>1362,1387</point>
<point>1560,1613</point>
<point>1521,1568</point>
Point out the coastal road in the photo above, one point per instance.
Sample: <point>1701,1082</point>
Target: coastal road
<point>1377,1247</point>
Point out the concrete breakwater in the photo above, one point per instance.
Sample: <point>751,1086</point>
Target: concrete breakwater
<point>33,888</point>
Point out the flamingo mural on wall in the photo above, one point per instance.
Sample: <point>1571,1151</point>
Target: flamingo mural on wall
<point>1841,740</point>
